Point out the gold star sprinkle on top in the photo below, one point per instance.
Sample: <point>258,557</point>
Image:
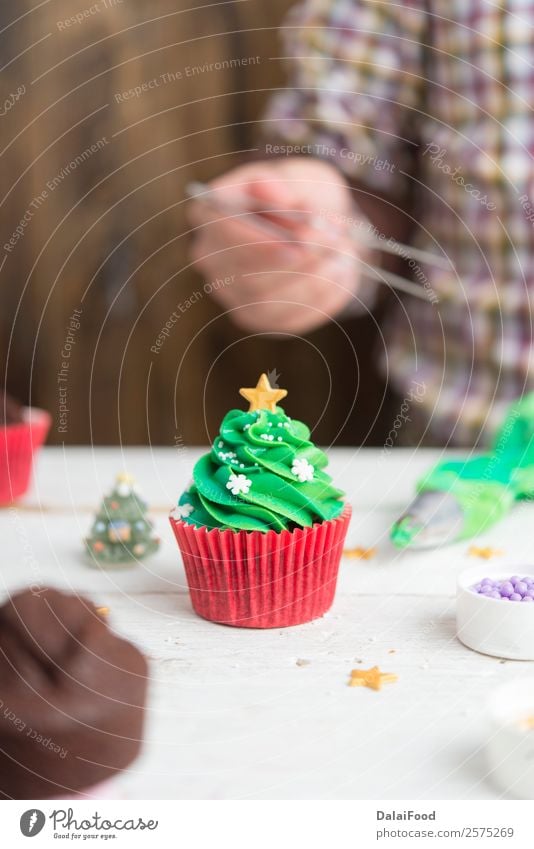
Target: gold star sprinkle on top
<point>263,396</point>
<point>484,553</point>
<point>359,553</point>
<point>123,477</point>
<point>371,678</point>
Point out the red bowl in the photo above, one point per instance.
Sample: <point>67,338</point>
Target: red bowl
<point>18,445</point>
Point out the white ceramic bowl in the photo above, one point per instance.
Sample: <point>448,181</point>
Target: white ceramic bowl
<point>510,748</point>
<point>491,625</point>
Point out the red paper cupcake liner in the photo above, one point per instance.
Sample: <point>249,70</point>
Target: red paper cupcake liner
<point>18,445</point>
<point>254,580</point>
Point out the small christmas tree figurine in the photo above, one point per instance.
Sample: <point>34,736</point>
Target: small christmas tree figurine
<point>122,531</point>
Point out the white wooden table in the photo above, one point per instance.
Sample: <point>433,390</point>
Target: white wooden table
<point>232,715</point>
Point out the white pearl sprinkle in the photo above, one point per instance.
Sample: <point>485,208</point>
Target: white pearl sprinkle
<point>280,439</point>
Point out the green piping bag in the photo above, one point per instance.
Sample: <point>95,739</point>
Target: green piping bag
<point>460,499</point>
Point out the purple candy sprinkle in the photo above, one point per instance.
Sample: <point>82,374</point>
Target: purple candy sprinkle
<point>506,589</point>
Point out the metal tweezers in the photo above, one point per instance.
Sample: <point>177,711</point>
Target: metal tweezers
<point>205,194</point>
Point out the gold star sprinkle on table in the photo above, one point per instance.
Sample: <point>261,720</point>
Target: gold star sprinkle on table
<point>372,678</point>
<point>359,553</point>
<point>527,724</point>
<point>484,553</point>
<point>102,611</point>
<point>263,396</point>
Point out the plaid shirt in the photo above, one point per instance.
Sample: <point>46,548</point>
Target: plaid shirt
<point>436,95</point>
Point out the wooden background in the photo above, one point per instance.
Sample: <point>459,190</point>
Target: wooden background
<point>111,238</point>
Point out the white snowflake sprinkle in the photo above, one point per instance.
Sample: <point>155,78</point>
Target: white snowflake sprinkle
<point>264,436</point>
<point>238,484</point>
<point>303,470</point>
<point>182,511</point>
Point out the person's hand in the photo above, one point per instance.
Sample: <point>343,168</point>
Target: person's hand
<point>279,286</point>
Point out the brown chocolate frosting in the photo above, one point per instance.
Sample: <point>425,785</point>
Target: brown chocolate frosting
<point>72,696</point>
<point>10,410</point>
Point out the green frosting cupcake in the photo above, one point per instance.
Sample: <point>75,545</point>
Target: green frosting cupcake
<point>263,473</point>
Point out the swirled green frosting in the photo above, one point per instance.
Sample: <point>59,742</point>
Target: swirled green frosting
<point>263,473</point>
